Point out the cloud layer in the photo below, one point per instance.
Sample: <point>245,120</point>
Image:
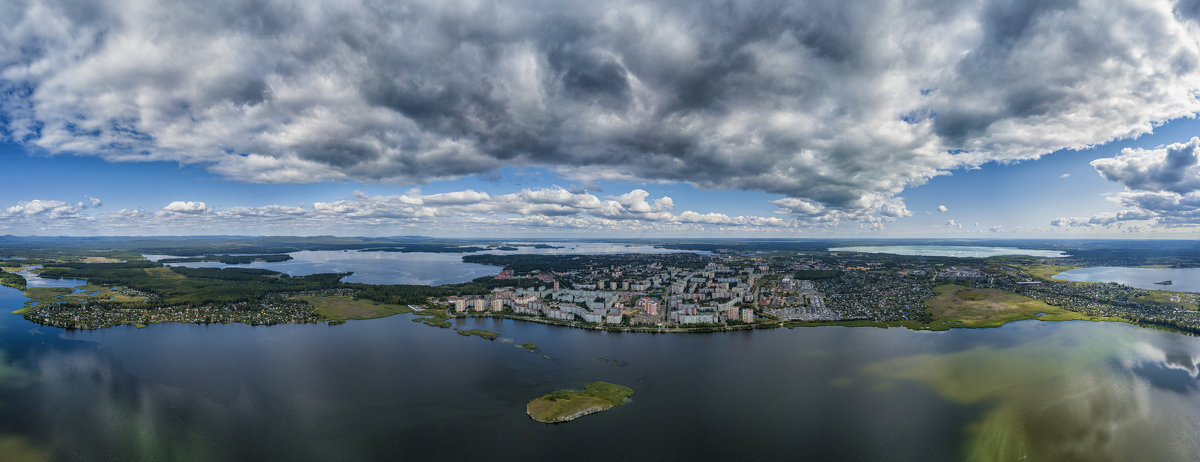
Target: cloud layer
<point>835,105</point>
<point>1162,187</point>
<point>456,213</point>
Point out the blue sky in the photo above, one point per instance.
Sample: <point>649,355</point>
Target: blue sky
<point>1021,197</point>
<point>943,118</point>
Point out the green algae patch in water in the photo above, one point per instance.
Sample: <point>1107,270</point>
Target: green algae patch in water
<point>1064,397</point>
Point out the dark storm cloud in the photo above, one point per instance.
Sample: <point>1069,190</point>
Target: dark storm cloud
<point>836,105</point>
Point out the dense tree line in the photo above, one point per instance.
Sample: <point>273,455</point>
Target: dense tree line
<point>180,286</point>
<point>229,259</point>
<point>12,280</point>
<point>193,286</point>
<point>430,248</point>
<point>414,294</point>
<point>526,263</point>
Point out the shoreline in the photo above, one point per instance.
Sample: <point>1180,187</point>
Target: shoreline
<point>417,317</point>
<point>438,317</point>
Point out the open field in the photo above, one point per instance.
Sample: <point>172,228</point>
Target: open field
<point>99,260</point>
<point>564,405</point>
<point>44,295</point>
<point>959,306</point>
<point>341,308</point>
<point>163,272</point>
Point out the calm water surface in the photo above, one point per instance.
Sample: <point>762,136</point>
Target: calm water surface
<point>414,267</point>
<point>1182,279</point>
<point>392,389</point>
<point>33,280</point>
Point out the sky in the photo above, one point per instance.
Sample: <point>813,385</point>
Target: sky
<point>645,118</point>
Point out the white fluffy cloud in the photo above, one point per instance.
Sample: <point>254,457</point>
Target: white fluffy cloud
<point>834,105</point>
<point>268,211</point>
<point>1173,168</point>
<point>1162,187</point>
<point>37,208</point>
<point>529,210</point>
<point>185,207</point>
<point>576,207</point>
<point>942,208</point>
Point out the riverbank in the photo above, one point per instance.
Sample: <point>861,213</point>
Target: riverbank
<point>954,306</point>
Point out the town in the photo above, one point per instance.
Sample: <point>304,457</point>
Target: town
<point>673,292</point>
<point>735,292</point>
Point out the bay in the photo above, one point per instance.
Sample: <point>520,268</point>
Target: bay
<point>426,268</point>
<point>1182,279</point>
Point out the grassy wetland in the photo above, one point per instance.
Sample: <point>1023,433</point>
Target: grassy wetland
<point>567,405</point>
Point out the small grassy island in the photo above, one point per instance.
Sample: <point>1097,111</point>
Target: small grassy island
<point>567,405</point>
<point>1164,283</point>
<point>487,334</point>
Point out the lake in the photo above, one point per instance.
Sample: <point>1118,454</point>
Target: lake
<point>33,280</point>
<point>415,267</point>
<point>390,389</point>
<point>1182,279</point>
<point>949,251</point>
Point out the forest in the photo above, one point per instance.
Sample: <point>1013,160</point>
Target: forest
<point>415,294</point>
<point>181,286</point>
<point>527,263</point>
<point>229,259</point>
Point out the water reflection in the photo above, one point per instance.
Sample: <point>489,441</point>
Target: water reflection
<point>33,280</point>
<point>390,388</point>
<point>1088,392</point>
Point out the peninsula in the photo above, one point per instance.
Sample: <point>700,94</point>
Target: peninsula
<point>566,405</point>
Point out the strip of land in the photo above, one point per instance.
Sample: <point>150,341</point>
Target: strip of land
<point>680,292</point>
